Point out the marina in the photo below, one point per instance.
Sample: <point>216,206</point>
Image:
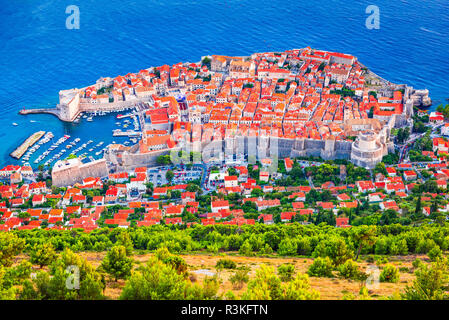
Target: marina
<point>47,149</point>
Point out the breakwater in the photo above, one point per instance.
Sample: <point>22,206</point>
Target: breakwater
<point>18,153</point>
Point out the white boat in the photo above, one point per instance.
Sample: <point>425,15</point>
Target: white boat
<point>14,124</point>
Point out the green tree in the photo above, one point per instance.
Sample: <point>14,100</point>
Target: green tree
<point>169,175</point>
<point>321,267</point>
<point>43,254</point>
<point>390,273</point>
<point>117,264</point>
<point>10,246</point>
<point>363,235</point>
<point>389,216</point>
<point>28,292</point>
<point>124,239</point>
<point>85,282</point>
<point>225,264</point>
<point>266,285</point>
<point>349,270</point>
<point>299,289</point>
<point>380,168</point>
<point>430,283</point>
<point>418,208</point>
<point>206,62</point>
<point>286,272</point>
<point>6,292</point>
<point>246,249</point>
<point>239,278</point>
<point>287,247</point>
<point>435,253</point>
<point>154,281</point>
<point>335,248</point>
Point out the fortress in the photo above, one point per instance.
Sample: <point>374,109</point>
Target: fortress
<point>71,104</point>
<point>371,144</point>
<point>68,172</point>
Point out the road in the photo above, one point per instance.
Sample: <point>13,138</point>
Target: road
<point>412,139</point>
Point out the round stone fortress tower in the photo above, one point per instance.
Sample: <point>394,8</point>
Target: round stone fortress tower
<point>367,149</point>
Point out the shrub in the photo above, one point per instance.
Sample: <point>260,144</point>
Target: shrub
<point>381,260</point>
<point>287,247</point>
<point>349,270</point>
<point>425,245</point>
<point>230,295</point>
<point>417,263</point>
<point>304,246</point>
<point>246,249</point>
<point>334,248</point>
<point>381,246</point>
<point>43,254</point>
<point>321,267</point>
<point>286,271</point>
<point>399,247</point>
<point>429,284</point>
<point>239,278</point>
<point>117,264</point>
<point>435,253</point>
<point>10,246</point>
<point>225,264</point>
<point>390,273</point>
<point>267,285</point>
<point>177,263</point>
<point>266,249</point>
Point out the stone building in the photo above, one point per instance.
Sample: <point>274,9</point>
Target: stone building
<point>69,104</point>
<point>368,149</point>
<point>69,172</point>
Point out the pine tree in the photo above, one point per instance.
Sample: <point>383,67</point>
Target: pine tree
<point>117,264</point>
<point>418,205</point>
<point>43,254</point>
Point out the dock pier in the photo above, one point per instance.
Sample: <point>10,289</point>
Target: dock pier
<point>19,152</point>
<point>53,111</point>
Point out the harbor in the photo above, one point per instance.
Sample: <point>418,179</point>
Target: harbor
<point>20,151</point>
<point>87,137</point>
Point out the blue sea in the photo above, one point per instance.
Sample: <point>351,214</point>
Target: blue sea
<point>40,56</point>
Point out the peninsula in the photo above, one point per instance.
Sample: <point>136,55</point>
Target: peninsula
<point>298,103</point>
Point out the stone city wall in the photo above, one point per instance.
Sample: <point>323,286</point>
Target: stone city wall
<point>77,173</point>
<point>259,147</point>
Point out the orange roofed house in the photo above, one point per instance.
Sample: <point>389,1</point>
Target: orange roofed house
<point>156,143</point>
